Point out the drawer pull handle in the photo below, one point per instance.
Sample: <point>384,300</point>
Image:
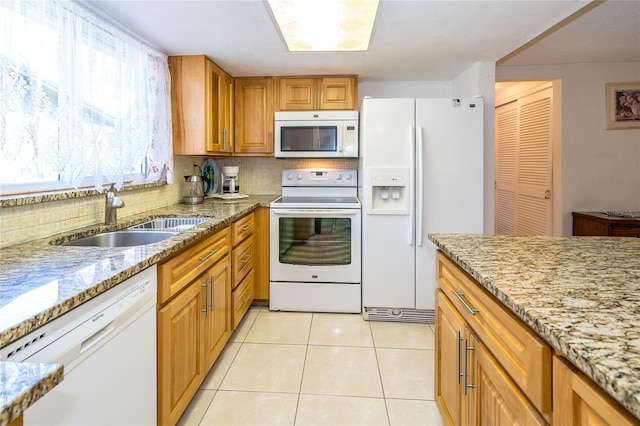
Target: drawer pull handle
<point>213,281</point>
<point>465,348</point>
<point>458,373</point>
<point>247,297</point>
<point>247,227</point>
<point>211,253</point>
<point>206,298</point>
<point>466,305</point>
<point>246,259</point>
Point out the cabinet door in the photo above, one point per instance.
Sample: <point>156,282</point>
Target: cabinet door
<point>448,365</point>
<point>227,113</point>
<point>494,398</point>
<point>261,264</point>
<point>297,94</point>
<point>254,112</point>
<point>336,93</point>
<point>188,98</point>
<point>242,260</point>
<point>242,297</point>
<point>200,106</point>
<point>180,355</point>
<point>215,287</point>
<point>577,401</point>
<point>212,111</point>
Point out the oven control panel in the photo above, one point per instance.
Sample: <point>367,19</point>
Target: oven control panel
<point>319,177</point>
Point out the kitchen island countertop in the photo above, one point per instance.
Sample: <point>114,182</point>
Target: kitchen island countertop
<point>580,294</point>
<point>42,280</point>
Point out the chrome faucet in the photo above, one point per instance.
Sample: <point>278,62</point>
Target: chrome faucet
<point>112,204</point>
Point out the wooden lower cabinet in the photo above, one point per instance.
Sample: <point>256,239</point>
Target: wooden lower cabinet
<point>494,398</point>
<point>216,285</point>
<point>243,260</point>
<point>577,401</point>
<point>471,388</point>
<point>180,362</point>
<point>194,324</point>
<point>450,327</point>
<point>261,237</point>
<point>492,369</point>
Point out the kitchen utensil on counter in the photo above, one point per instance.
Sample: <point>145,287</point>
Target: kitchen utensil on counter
<point>230,180</point>
<point>210,175</point>
<point>193,188</point>
<point>229,186</point>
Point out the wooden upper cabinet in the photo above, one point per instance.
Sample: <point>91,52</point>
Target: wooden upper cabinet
<point>201,106</point>
<point>254,113</point>
<point>317,93</point>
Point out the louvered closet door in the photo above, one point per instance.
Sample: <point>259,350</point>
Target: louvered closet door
<point>506,168</point>
<point>533,202</point>
<point>523,165</point>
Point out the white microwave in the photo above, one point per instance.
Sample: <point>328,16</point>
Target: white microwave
<point>316,134</point>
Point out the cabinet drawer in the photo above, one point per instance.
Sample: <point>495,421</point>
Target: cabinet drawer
<point>624,231</point>
<point>175,273</point>
<point>524,355</point>
<point>242,261</point>
<point>242,297</point>
<point>242,228</point>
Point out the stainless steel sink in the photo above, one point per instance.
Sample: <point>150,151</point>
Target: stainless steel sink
<point>122,239</point>
<point>174,224</point>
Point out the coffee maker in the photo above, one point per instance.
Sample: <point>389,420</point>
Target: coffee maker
<point>230,180</point>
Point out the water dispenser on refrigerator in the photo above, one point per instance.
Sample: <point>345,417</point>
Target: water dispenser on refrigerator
<point>389,191</point>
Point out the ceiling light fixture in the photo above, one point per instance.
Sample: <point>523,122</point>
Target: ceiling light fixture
<point>324,25</point>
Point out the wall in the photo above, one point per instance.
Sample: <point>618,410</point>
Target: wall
<point>600,167</point>
<point>258,175</point>
<point>479,80</point>
<point>28,222</point>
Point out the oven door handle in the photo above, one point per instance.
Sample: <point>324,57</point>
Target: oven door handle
<point>315,213</point>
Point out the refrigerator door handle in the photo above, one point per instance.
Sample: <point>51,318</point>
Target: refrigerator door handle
<point>419,184</point>
<point>412,196</point>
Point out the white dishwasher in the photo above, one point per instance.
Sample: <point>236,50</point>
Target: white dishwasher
<point>108,348</point>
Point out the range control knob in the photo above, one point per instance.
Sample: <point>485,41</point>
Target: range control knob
<point>349,177</point>
<point>339,177</point>
<point>289,176</point>
<point>299,176</point>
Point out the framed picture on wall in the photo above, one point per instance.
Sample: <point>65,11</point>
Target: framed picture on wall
<point>623,105</point>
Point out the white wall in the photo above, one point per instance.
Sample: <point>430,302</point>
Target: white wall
<point>480,80</point>
<point>600,167</point>
<point>404,89</point>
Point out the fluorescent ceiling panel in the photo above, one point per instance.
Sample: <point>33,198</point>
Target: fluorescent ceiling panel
<point>325,25</point>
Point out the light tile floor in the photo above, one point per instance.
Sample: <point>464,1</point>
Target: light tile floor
<point>282,368</point>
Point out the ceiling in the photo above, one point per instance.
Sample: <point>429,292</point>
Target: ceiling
<point>412,40</point>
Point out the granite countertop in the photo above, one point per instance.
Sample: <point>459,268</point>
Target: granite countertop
<point>23,383</point>
<point>580,294</point>
<point>41,280</point>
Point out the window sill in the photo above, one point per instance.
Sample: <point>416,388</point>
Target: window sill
<point>43,197</point>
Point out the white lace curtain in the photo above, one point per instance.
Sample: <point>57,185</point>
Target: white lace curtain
<point>80,100</point>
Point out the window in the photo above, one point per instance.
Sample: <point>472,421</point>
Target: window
<point>81,102</point>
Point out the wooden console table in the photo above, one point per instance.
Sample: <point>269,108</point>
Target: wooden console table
<point>588,223</point>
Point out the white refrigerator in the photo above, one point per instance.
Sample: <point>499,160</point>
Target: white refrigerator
<point>421,171</point>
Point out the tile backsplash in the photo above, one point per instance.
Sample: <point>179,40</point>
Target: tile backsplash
<point>257,175</point>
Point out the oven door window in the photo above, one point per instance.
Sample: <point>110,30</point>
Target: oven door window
<point>315,241</point>
<point>309,138</point>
